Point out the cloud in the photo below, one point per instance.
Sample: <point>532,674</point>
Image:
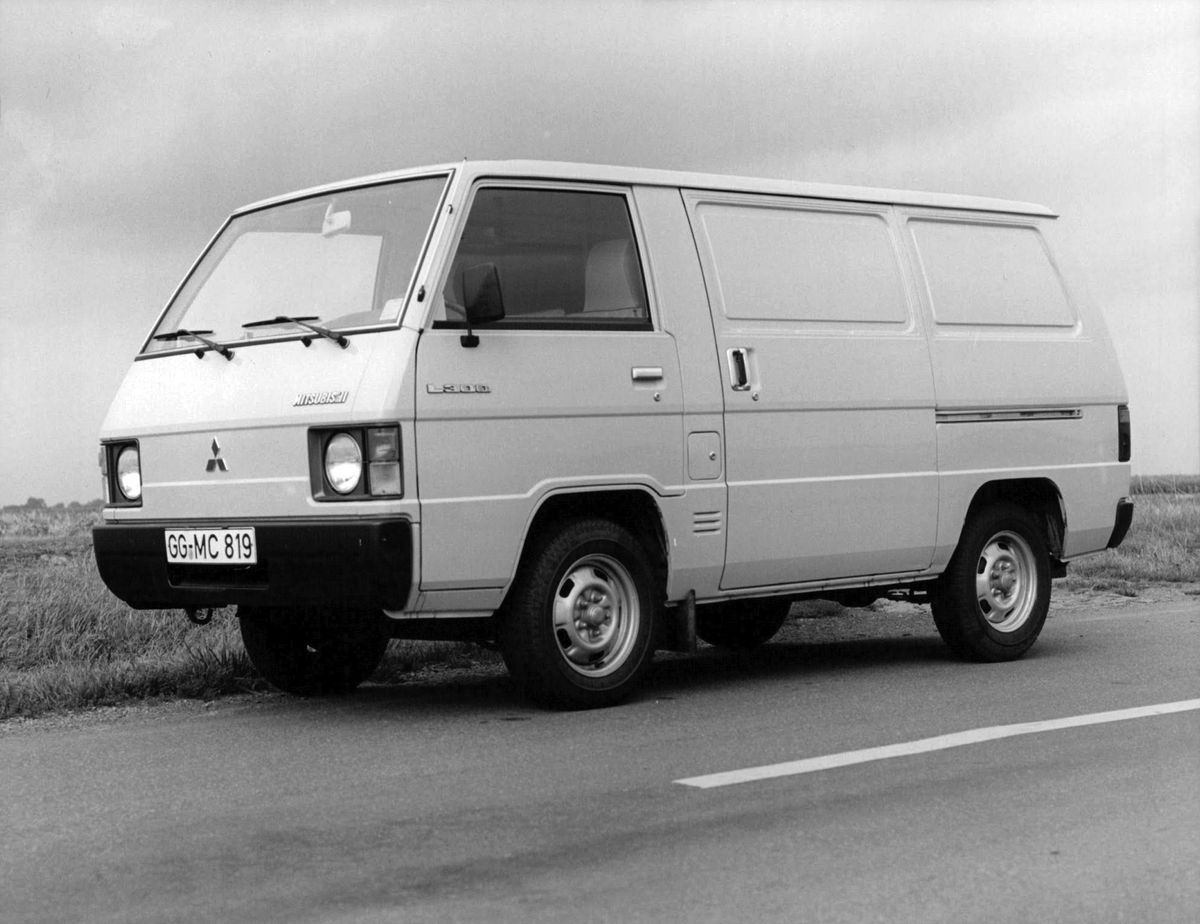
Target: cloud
<point>29,155</point>
<point>129,130</point>
<point>147,123</point>
<point>203,108</point>
<point>128,26</point>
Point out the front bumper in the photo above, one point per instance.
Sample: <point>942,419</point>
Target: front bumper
<point>311,562</point>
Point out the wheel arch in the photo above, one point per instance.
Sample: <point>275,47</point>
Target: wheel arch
<point>636,509</point>
<point>1040,496</point>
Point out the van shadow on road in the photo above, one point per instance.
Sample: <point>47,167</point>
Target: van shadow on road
<point>714,668</point>
<point>859,644</point>
<point>802,651</point>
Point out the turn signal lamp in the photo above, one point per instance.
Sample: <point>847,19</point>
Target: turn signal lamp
<point>104,475</point>
<point>383,455</point>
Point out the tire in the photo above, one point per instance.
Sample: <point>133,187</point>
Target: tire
<point>992,600</point>
<point>743,625</point>
<point>578,627</point>
<point>313,652</point>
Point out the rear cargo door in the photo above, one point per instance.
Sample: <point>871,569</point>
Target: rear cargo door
<point>829,405</point>
<point>575,389</point>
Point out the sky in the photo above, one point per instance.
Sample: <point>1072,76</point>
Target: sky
<point>129,131</point>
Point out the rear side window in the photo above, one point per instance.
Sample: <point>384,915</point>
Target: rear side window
<point>991,275</point>
<point>564,259</point>
<point>774,262</point>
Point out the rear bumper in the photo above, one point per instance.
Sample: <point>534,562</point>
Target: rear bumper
<point>1124,520</point>
<point>311,562</point>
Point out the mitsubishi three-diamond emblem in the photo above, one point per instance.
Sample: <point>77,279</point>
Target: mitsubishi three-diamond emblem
<point>216,463</point>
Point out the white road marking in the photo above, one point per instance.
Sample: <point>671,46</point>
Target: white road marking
<point>925,745</point>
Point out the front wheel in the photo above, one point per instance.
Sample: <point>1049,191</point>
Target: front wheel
<point>311,652</point>
<point>577,631</point>
<point>992,601</point>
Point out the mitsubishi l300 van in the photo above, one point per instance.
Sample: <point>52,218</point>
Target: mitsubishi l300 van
<point>584,412</point>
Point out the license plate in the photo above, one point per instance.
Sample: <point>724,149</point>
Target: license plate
<point>211,546</point>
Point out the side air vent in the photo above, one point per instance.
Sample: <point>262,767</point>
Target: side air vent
<point>707,521</point>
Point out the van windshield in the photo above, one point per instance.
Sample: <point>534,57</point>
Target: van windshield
<point>346,258</point>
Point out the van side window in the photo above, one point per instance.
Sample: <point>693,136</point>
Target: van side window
<point>565,259</point>
<point>982,274</point>
<point>779,262</point>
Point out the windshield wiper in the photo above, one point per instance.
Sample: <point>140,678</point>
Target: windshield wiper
<point>303,321</point>
<point>183,333</point>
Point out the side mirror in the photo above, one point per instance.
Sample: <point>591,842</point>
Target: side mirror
<point>483,301</point>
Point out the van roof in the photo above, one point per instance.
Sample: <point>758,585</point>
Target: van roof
<point>640,176</point>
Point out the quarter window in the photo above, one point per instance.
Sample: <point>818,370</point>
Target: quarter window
<point>982,275</point>
<point>564,259</point>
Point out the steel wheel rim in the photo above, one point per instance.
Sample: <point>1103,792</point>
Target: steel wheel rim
<point>596,615</point>
<point>1006,582</point>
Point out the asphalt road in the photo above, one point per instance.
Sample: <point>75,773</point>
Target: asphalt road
<point>449,799</point>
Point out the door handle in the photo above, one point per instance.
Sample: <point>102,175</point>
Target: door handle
<point>646,373</point>
<point>739,376</point>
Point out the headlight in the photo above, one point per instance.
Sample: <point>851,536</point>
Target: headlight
<point>129,473</point>
<point>343,463</point>
<point>355,463</point>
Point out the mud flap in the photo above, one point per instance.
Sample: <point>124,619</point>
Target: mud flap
<point>679,625</point>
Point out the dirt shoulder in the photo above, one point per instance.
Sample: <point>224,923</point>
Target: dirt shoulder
<point>1150,593</point>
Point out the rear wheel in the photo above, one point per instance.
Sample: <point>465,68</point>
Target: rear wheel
<point>992,601</point>
<point>311,652</point>
<point>578,627</point>
<point>743,624</point>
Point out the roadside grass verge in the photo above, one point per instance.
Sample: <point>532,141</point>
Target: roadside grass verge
<point>1163,546</point>
<point>1166,484</point>
<point>67,643</point>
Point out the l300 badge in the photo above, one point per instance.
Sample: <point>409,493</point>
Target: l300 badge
<point>459,389</point>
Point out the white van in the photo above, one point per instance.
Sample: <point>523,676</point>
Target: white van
<point>584,412</point>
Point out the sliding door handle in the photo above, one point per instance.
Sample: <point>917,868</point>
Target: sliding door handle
<point>739,375</point>
<point>646,373</point>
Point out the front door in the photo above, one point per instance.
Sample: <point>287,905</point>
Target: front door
<point>575,388</point>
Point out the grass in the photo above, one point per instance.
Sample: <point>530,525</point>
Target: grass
<point>1166,484</point>
<point>67,643</point>
<point>1163,546</point>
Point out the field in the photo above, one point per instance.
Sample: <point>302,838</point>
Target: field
<point>66,643</point>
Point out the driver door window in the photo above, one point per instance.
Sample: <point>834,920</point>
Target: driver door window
<point>564,259</point>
